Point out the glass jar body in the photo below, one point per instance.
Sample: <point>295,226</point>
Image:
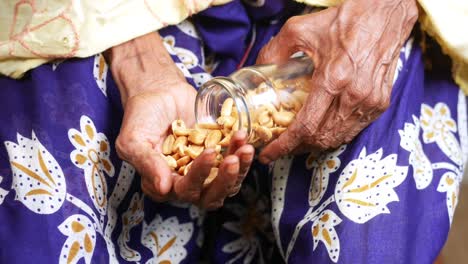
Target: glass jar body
<point>262,99</point>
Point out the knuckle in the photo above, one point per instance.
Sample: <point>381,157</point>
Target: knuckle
<point>294,26</point>
<point>358,94</point>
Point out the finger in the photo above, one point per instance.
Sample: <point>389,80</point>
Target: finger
<point>245,155</point>
<point>288,41</point>
<point>305,125</point>
<point>188,188</point>
<point>153,167</point>
<point>148,189</point>
<point>213,196</point>
<point>238,140</point>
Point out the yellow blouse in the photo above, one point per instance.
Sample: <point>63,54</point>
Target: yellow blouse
<point>33,32</point>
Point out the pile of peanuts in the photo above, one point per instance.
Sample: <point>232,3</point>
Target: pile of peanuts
<point>181,147</point>
<point>268,121</point>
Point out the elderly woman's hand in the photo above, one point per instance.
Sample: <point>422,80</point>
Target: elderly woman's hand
<point>154,94</point>
<point>355,49</point>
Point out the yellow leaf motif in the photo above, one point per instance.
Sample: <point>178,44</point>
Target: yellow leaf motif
<point>449,181</point>
<point>315,231</point>
<point>81,159</point>
<point>44,167</point>
<point>89,131</point>
<point>167,246</point>
<point>73,252</point>
<point>102,63</point>
<point>79,140</point>
<point>351,180</point>
<point>38,192</point>
<point>356,201</point>
<point>326,236</point>
<point>372,185</point>
<point>77,227</point>
<point>30,173</point>
<point>103,146</point>
<point>325,218</point>
<point>88,244</point>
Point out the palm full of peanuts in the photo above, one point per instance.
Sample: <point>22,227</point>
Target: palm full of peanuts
<point>269,120</point>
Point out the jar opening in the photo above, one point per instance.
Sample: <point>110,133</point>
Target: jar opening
<point>211,97</point>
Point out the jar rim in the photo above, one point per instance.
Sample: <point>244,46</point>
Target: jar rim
<point>232,90</point>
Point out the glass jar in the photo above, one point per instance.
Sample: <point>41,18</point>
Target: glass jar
<point>262,99</point>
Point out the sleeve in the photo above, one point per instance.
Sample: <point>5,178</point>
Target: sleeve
<point>446,21</point>
<point>35,32</point>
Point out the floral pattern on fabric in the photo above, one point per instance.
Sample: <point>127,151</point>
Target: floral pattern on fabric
<point>38,180</point>
<point>92,155</point>
<point>166,239</point>
<point>81,239</point>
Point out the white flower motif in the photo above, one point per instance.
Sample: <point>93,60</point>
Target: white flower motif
<point>365,186</point>
<point>92,155</point>
<point>450,184</point>
<point>37,177</point>
<point>195,214</point>
<point>323,229</point>
<point>131,218</point>
<point>438,127</point>
<point>81,239</point>
<point>166,239</point>
<point>422,170</point>
<point>253,220</point>
<point>3,192</point>
<point>322,168</point>
<point>100,70</point>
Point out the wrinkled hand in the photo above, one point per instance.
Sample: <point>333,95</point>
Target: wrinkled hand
<point>355,49</point>
<point>150,106</point>
<point>146,124</point>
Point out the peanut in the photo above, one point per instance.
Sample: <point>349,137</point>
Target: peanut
<point>300,95</point>
<point>213,138</point>
<point>171,162</point>
<point>225,141</point>
<point>226,108</point>
<point>167,145</point>
<point>283,118</point>
<point>207,126</point>
<point>183,161</point>
<point>194,151</point>
<point>179,129</point>
<point>197,137</point>
<point>181,169</point>
<point>176,156</point>
<point>179,143</point>
<point>187,168</point>
<point>263,133</point>
<point>226,121</point>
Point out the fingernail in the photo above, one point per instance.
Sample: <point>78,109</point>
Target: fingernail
<point>233,168</point>
<point>246,157</point>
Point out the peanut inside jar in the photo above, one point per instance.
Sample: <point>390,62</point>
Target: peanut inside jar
<point>271,111</point>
